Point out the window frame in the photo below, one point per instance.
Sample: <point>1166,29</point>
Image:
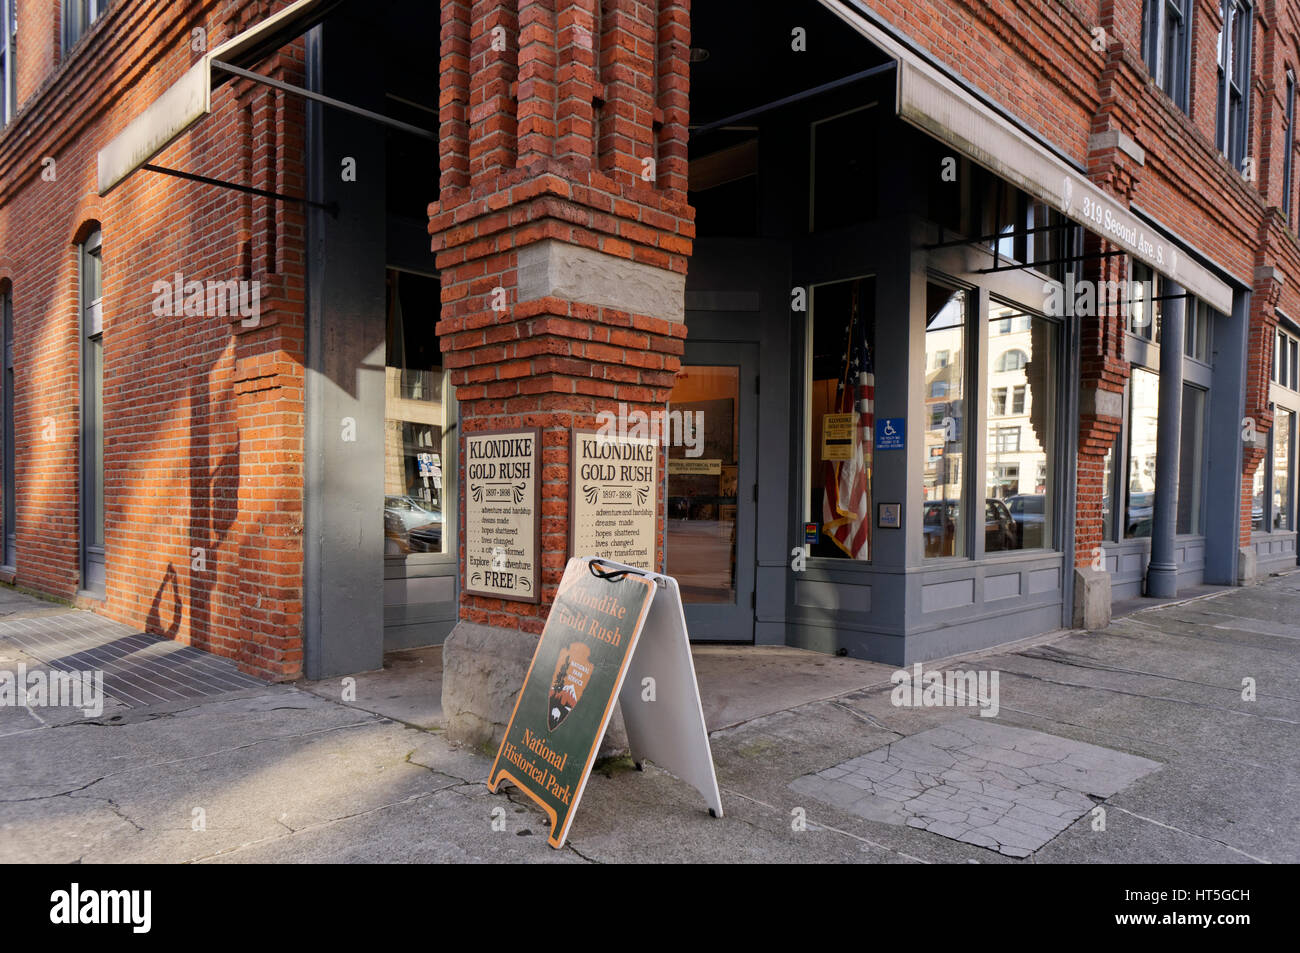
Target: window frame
<point>9,539</point>
<point>968,367</point>
<point>8,69</point>
<point>984,428</point>
<point>91,467</point>
<point>1232,135</point>
<point>1174,78</point>
<point>1288,145</point>
<point>72,31</point>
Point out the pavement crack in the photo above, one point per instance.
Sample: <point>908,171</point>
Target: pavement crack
<point>1076,661</point>
<point>113,806</point>
<point>1158,698</point>
<point>590,860</point>
<point>863,716</point>
<point>46,797</point>
<point>1179,830</point>
<point>319,825</point>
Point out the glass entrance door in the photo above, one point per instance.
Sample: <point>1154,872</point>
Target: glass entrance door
<point>712,490</point>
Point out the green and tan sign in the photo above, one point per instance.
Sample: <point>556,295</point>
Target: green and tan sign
<point>569,692</point>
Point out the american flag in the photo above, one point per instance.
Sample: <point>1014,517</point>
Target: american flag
<point>846,519</point>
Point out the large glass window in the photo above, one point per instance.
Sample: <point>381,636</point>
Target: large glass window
<point>1143,416</point>
<point>1257,496</point>
<point>416,517</point>
<point>8,69</point>
<point>841,422</point>
<point>1286,361</point>
<point>1196,325</point>
<point>1108,494</point>
<point>1191,460</point>
<point>1145,306</point>
<point>9,489</point>
<point>78,15</point>
<point>92,420</point>
<point>1165,46</point>
<point>1020,455</point>
<point>1282,427</point>
<point>1288,145</point>
<point>1234,80</point>
<point>943,481</point>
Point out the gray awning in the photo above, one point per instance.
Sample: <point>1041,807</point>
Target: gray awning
<point>932,102</point>
<point>190,97</point>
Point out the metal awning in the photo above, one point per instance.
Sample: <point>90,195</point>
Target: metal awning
<point>190,98</point>
<point>935,104</point>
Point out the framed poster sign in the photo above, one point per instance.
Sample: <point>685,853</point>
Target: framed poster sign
<point>614,498</point>
<point>503,514</point>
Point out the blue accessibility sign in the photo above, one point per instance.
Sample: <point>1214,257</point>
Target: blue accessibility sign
<point>890,433</point>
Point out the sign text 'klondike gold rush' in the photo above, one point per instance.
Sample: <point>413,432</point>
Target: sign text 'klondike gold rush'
<point>570,689</point>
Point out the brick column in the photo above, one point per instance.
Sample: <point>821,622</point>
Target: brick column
<point>1114,163</point>
<point>566,194</point>
<point>1264,298</point>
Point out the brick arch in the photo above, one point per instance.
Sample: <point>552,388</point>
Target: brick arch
<point>87,224</point>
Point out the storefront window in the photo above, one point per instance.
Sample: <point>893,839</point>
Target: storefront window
<point>842,417</point>
<point>1108,495</point>
<point>1145,307</point>
<point>1144,413</point>
<point>703,492</point>
<point>1022,364</point>
<point>415,420</point>
<point>1257,496</point>
<point>1282,470</point>
<point>942,520</point>
<point>1196,323</point>
<point>1191,456</point>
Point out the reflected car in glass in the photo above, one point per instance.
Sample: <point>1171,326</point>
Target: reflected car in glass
<point>411,526</point>
<point>1029,512</point>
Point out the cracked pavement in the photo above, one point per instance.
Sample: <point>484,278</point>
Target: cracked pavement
<point>1148,717</point>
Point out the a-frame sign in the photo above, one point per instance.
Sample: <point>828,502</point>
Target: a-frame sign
<point>613,632</point>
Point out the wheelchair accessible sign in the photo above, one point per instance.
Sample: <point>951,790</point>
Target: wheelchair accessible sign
<point>890,433</point>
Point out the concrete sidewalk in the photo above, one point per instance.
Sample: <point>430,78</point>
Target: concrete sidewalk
<point>1133,744</point>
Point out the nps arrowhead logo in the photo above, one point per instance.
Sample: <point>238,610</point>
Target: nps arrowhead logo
<point>572,674</point>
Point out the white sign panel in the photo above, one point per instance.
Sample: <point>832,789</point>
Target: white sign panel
<point>614,499</point>
<point>502,514</point>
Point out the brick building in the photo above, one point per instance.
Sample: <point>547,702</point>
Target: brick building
<point>267,267</point>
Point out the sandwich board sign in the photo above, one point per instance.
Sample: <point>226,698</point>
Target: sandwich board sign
<point>612,628</point>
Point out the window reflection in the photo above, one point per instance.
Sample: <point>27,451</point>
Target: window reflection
<point>1022,381</point>
<point>1144,411</point>
<point>414,419</point>
<point>944,476</point>
<point>1282,470</point>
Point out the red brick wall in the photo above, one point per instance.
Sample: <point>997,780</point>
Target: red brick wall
<point>203,417</point>
<point>600,90</point>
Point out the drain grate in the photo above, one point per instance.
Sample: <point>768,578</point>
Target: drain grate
<point>138,669</point>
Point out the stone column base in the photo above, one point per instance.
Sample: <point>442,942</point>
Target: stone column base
<point>1247,566</point>
<point>483,669</point>
<point>1091,599</point>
